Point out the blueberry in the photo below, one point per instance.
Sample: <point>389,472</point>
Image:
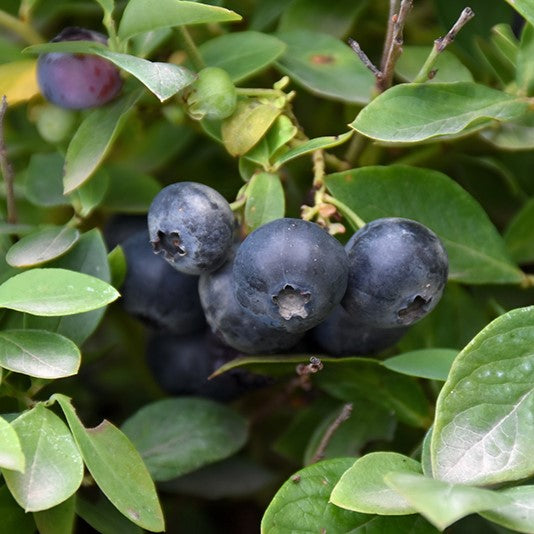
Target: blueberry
<point>156,293</point>
<point>233,323</point>
<point>291,273</point>
<point>340,335</point>
<point>77,81</point>
<point>181,365</point>
<point>397,272</point>
<point>191,225</point>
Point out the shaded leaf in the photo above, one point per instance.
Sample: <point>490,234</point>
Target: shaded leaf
<point>514,135</point>
<point>86,198</point>
<point>173,443</point>
<point>525,8</point>
<point>525,67</point>
<point>117,468</point>
<point>11,455</point>
<point>14,519</point>
<point>518,514</point>
<point>482,431</point>
<point>54,467</point>
<point>518,235</point>
<point>410,113</point>
<point>44,180</point>
<point>433,364</point>
<point>57,520</point>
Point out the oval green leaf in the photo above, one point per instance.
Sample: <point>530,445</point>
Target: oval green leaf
<point>38,353</point>
<point>117,468</point>
<point>42,246</point>
<point>302,503</point>
<point>513,135</point>
<point>57,520</point>
<point>173,443</point>
<point>93,139</point>
<point>54,467</point>
<point>11,455</point>
<point>52,292</point>
<point>325,66</point>
<point>518,235</point>
<point>442,503</point>
<point>242,54</point>
<point>247,125</point>
<point>483,432</point>
<point>519,513</point>
<point>410,113</point>
<point>265,200</point>
<point>362,487</point>
<point>477,254</point>
<point>433,364</point>
<point>146,15</point>
<point>44,180</point>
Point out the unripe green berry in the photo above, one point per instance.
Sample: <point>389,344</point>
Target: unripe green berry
<point>54,124</point>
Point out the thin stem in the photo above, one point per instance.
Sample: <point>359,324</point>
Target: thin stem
<point>20,28</point>
<point>258,91</point>
<point>364,58</point>
<point>191,48</point>
<point>318,168</point>
<point>238,203</point>
<point>341,418</point>
<point>7,169</point>
<point>355,221</point>
<point>395,46</point>
<point>440,44</point>
<point>393,8</point>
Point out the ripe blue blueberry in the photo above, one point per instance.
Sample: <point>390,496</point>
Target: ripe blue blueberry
<point>397,272</point>
<point>291,273</point>
<point>340,335</point>
<point>77,81</point>
<point>191,225</point>
<point>233,323</point>
<point>181,365</point>
<point>156,293</point>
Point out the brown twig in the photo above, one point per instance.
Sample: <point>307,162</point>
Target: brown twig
<point>393,8</point>
<point>364,59</point>
<point>394,49</point>
<point>342,417</point>
<point>7,169</point>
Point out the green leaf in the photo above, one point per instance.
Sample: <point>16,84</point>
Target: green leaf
<point>44,180</point>
<point>477,254</point>
<point>302,503</point>
<point>117,469</point>
<point>54,467</point>
<point>173,443</point>
<point>518,515</point>
<point>146,15</point>
<point>518,235</point>
<point>247,125</point>
<point>336,18</point>
<point>88,256</point>
<point>93,139</point>
<point>353,379</point>
<point>514,135</point>
<point>482,431</point>
<point>433,364</point>
<point>319,143</point>
<point>129,191</point>
<point>107,5</point>
<point>265,200</point>
<point>11,455</point>
<point>104,517</point>
<point>52,292</point>
<point>362,487</point>
<point>505,42</point>
<point>426,457</point>
<point>524,8</point>
<point>442,503</point>
<point>449,67</point>
<point>242,54</point>
<point>14,519</point>
<point>325,66</point>
<point>38,353</point>
<point>42,246</point>
<point>89,196</point>
<point>525,66</point>
<point>118,266</point>
<point>367,423</point>
<point>281,132</point>
<point>409,113</point>
<point>57,520</point>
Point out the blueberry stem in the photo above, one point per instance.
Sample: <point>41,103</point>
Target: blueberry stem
<point>355,221</point>
<point>20,28</point>
<point>427,72</point>
<point>191,48</point>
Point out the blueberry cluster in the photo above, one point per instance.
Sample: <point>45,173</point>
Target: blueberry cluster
<point>287,280</point>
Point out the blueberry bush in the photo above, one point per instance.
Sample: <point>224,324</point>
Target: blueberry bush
<point>267,266</point>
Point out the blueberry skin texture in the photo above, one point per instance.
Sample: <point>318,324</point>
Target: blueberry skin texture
<point>291,273</point>
<point>154,292</point>
<point>181,365</point>
<point>77,81</point>
<point>191,225</point>
<point>398,271</point>
<point>233,323</point>
<point>340,335</point>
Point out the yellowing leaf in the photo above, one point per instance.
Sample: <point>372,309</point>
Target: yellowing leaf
<point>18,81</point>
